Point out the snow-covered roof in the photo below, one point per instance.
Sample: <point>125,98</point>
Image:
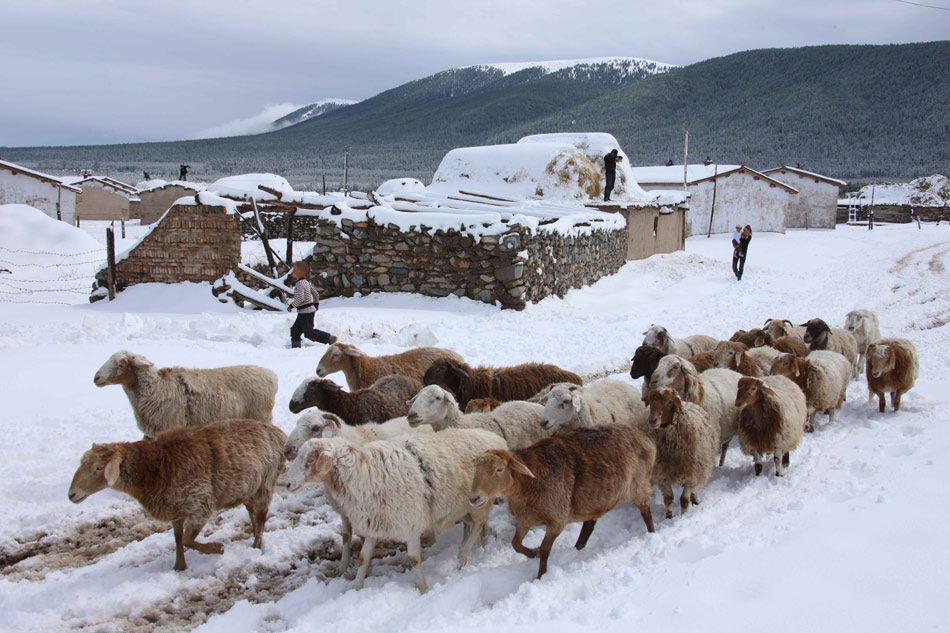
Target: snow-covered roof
<point>245,187</point>
<point>158,183</point>
<point>53,180</point>
<point>807,174</point>
<point>551,66</point>
<point>116,185</point>
<point>696,173</point>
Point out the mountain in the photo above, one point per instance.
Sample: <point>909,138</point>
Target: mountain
<point>310,111</point>
<point>848,111</point>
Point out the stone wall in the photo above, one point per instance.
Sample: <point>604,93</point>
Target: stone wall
<point>897,213</point>
<point>651,232</point>
<point>192,243</point>
<point>153,203</point>
<point>511,269</point>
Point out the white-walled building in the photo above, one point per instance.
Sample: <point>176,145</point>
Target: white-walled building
<point>726,195</point>
<point>19,185</point>
<point>815,206</point>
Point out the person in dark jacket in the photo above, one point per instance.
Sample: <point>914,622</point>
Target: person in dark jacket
<point>307,302</point>
<point>610,172</point>
<point>739,251</point>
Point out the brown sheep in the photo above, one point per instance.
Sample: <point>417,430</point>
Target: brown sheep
<point>791,345</point>
<point>703,360</point>
<point>752,338</point>
<point>568,477</point>
<point>732,355</point>
<point>783,327</point>
<point>772,412</point>
<point>187,474</point>
<point>383,400</point>
<point>519,382</point>
<point>892,367</point>
<point>362,370</point>
<point>687,445</point>
<point>482,405</point>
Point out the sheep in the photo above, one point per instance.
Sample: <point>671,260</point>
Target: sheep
<point>567,477</point>
<point>703,360</point>
<point>517,422</point>
<point>864,326</point>
<point>401,489</point>
<point>714,390</point>
<point>752,338</point>
<point>734,356</point>
<point>778,328</point>
<point>643,363</point>
<point>822,376</point>
<point>502,383</point>
<point>185,475</point>
<point>763,357</point>
<point>481,405</point>
<point>362,370</point>
<point>658,336</point>
<point>892,367</point>
<point>791,345</point>
<point>171,397</point>
<point>772,413</point>
<point>383,400</point>
<point>819,336</point>
<point>567,407</point>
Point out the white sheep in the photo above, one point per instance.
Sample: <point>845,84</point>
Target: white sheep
<point>659,337</point>
<point>568,406</point>
<point>517,422</point>
<point>171,397</point>
<point>763,357</point>
<point>866,329</point>
<point>401,489</point>
<point>819,336</point>
<point>822,376</point>
<point>772,413</point>
<point>714,390</point>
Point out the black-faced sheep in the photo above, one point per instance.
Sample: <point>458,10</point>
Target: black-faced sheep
<point>687,442</point>
<point>383,400</point>
<point>892,367</point>
<point>502,383</point>
<point>517,422</point>
<point>569,406</point>
<point>714,390</point>
<point>819,336</point>
<point>643,363</point>
<point>772,413</point>
<point>401,489</point>
<point>171,397</point>
<point>362,370</point>
<point>822,376</point>
<point>659,337</point>
<point>866,329</point>
<point>568,477</point>
<point>185,475</point>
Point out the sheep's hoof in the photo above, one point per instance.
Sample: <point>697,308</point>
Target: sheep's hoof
<point>758,469</point>
<point>669,514</point>
<point>809,428</point>
<point>208,548</point>
<point>180,566</point>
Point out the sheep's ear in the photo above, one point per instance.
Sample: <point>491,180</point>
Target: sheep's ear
<point>458,371</point>
<point>576,402</point>
<point>521,468</point>
<point>112,468</point>
<point>350,351</point>
<point>332,419</point>
<point>329,385</point>
<point>759,341</point>
<point>790,324</point>
<point>412,399</point>
<point>321,467</point>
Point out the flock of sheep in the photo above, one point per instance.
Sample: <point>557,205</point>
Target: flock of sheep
<point>422,441</point>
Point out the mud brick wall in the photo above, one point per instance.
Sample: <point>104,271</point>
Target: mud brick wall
<point>511,269</point>
<point>897,213</point>
<point>192,243</point>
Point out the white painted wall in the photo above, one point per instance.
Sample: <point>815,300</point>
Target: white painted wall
<point>741,199</point>
<point>21,189</point>
<point>816,203</point>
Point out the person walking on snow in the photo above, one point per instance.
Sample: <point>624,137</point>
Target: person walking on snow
<point>610,172</point>
<point>307,302</point>
<point>739,250</point>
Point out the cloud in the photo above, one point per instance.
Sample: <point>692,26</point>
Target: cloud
<point>261,122</point>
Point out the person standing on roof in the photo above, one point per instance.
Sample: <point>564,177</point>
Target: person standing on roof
<point>610,172</point>
<point>183,171</point>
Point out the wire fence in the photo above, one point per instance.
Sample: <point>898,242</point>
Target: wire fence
<point>69,278</point>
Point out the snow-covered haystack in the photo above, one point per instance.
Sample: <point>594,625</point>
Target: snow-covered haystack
<point>245,187</point>
<point>523,171</point>
<point>44,260</point>
<point>928,191</point>
<point>594,146</point>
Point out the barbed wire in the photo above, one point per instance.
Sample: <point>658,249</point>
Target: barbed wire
<point>19,291</point>
<point>15,250</point>
<point>91,261</point>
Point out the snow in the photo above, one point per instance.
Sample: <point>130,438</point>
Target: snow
<point>158,183</point>
<point>401,187</point>
<point>851,539</point>
<point>551,66</point>
<point>38,174</point>
<point>245,186</point>
<point>672,175</point>
<point>930,191</point>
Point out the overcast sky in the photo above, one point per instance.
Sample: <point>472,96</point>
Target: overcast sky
<point>103,71</point>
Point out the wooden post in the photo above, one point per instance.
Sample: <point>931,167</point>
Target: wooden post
<point>346,167</point>
<point>324,184</point>
<point>267,249</point>
<point>110,263</point>
<point>685,157</point>
<point>713,209</point>
<point>289,259</point>
<point>123,228</point>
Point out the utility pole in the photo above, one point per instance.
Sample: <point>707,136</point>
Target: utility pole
<point>346,166</point>
<point>685,156</point>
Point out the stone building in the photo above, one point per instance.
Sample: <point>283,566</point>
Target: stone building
<point>815,206</point>
<point>19,185</point>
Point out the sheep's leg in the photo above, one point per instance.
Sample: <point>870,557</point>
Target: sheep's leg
<point>192,529</point>
<point>550,534</point>
<point>896,400</point>
<point>880,401</point>
<point>785,459</point>
<point>414,548</point>
<point>693,498</point>
<point>667,490</point>
<point>178,528</point>
<point>722,453</point>
<point>470,532</point>
<point>831,414</point>
<point>810,422</point>
<point>516,542</point>
<point>757,461</point>
<point>685,497</point>
<point>366,556</point>
<point>586,531</point>
<point>346,533</point>
<point>258,516</point>
<point>647,513</point>
<point>779,471</point>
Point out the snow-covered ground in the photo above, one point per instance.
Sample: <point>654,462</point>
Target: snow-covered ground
<point>851,539</point>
